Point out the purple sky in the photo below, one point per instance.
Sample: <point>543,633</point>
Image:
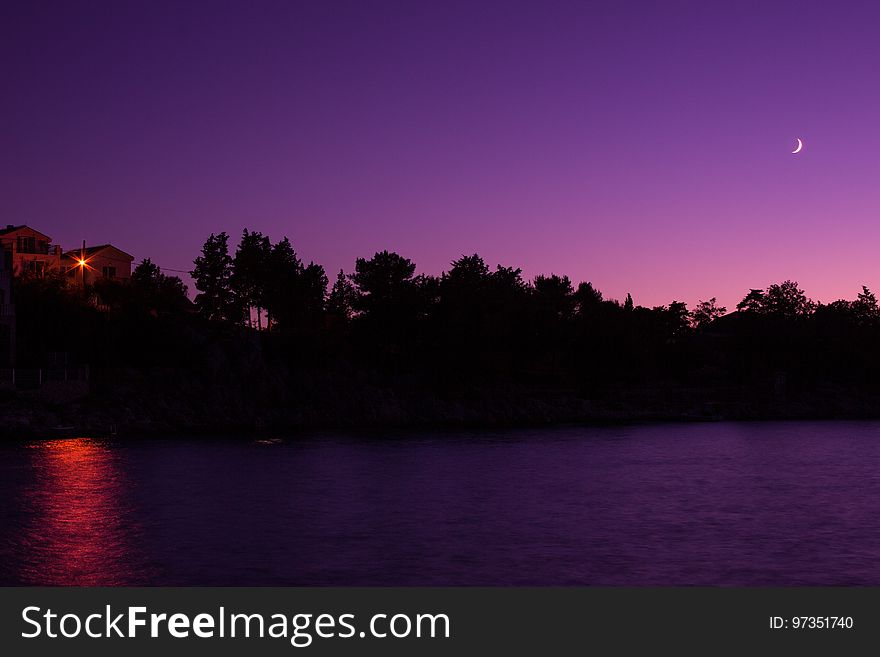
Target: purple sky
<point>644,146</point>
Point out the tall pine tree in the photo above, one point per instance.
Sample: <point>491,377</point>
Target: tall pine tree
<point>212,273</point>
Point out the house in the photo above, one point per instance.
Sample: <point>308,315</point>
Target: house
<point>32,251</point>
<point>7,310</point>
<point>86,265</point>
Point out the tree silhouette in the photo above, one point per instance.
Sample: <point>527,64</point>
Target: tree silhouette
<point>787,300</point>
<point>250,268</point>
<point>678,318</point>
<point>463,320</point>
<point>342,298</point>
<point>146,275</point>
<point>467,273</point>
<point>555,295</point>
<point>312,292</point>
<point>587,298</point>
<point>782,300</point>
<point>464,292</point>
<point>156,291</point>
<point>865,307</point>
<point>385,285</point>
<point>426,294</point>
<point>390,304</point>
<point>212,274</point>
<point>753,302</point>
<point>706,312</point>
<point>280,280</point>
<point>507,282</point>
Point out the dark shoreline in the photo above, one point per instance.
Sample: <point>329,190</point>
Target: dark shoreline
<point>32,417</point>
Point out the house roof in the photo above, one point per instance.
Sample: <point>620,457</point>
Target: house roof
<point>13,229</point>
<point>92,250</point>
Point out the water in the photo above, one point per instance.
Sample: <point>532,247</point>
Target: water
<point>716,504</point>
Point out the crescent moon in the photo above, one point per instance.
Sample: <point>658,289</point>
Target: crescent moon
<point>799,147</point>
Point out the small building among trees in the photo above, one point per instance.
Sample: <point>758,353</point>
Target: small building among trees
<point>32,251</point>
<point>86,265</point>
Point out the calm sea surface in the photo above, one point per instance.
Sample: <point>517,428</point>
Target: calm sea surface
<point>718,504</point>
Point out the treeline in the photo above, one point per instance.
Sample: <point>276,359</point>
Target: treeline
<point>269,341</point>
<point>473,323</point>
<point>268,281</point>
<point>265,285</point>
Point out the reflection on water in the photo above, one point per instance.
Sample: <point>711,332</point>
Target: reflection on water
<point>710,504</point>
<point>77,529</point>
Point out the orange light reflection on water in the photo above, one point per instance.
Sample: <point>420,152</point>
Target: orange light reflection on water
<point>79,531</point>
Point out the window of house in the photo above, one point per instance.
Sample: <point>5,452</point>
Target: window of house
<point>109,272</point>
<point>27,244</point>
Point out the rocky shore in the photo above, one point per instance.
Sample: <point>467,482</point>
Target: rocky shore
<point>217,409</point>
